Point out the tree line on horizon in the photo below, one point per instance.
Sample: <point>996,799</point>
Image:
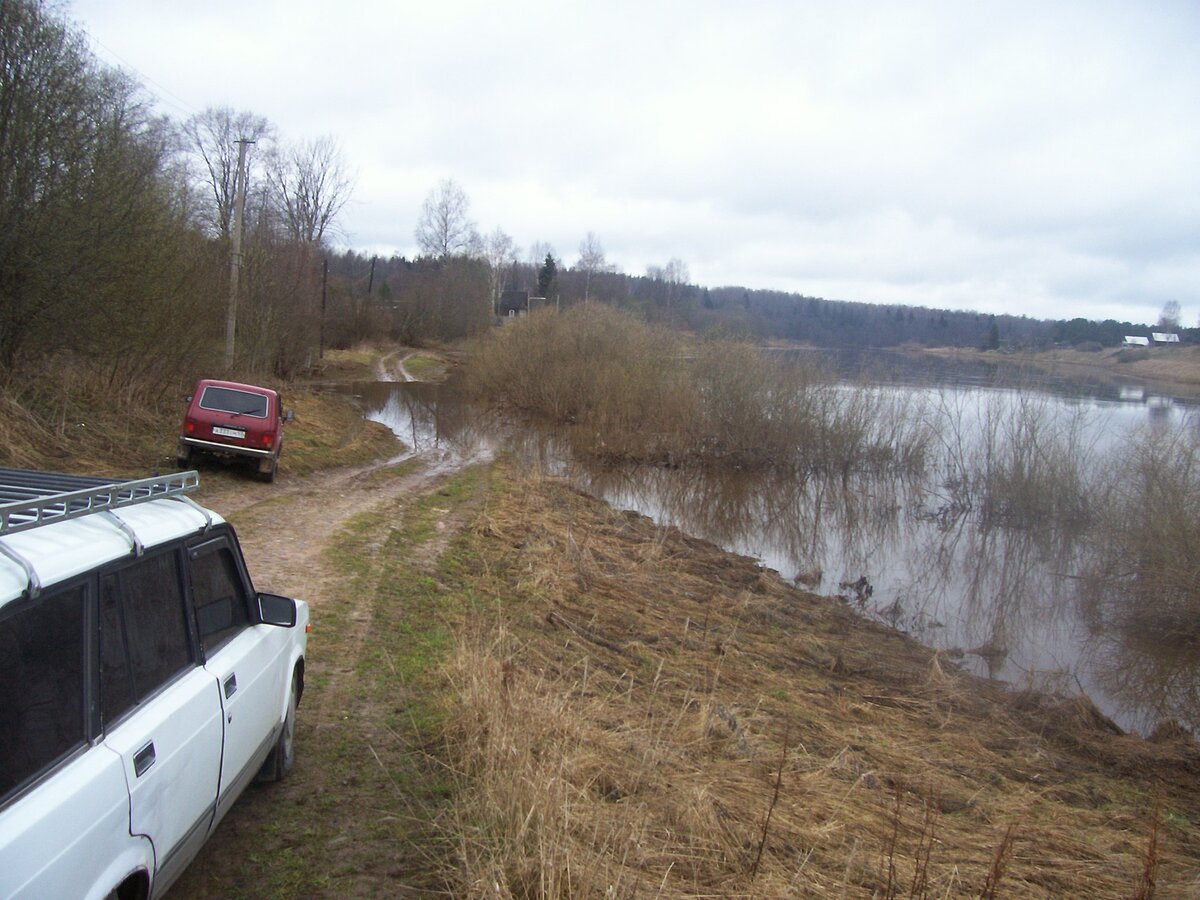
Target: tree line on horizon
<point>117,230</point>
<point>733,311</point>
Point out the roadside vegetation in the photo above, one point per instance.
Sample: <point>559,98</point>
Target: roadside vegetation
<point>69,420</point>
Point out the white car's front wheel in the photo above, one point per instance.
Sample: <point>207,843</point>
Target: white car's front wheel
<point>279,763</point>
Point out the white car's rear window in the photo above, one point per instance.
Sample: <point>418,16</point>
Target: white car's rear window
<point>233,401</point>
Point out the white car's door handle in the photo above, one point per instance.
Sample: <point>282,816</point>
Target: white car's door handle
<point>143,759</point>
<point>230,686</point>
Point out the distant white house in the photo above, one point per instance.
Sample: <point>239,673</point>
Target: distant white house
<point>1164,338</point>
<point>1133,340</point>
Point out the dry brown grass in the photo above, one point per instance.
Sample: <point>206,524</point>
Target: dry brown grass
<point>637,713</point>
<point>628,391</point>
<point>70,420</point>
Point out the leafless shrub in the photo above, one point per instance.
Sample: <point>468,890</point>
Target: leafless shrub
<point>630,391</point>
<point>1015,459</point>
<point>1144,573</point>
<point>999,863</point>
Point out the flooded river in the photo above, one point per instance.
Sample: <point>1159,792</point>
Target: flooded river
<point>1001,597</point>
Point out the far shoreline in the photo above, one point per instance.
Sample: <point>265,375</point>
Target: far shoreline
<point>1176,370</point>
<point>1170,370</point>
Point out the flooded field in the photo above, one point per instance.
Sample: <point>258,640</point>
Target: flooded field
<point>990,554</point>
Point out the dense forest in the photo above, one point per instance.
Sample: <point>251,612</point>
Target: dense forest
<point>137,251</point>
<point>737,311</point>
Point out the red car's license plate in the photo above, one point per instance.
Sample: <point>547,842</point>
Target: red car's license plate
<point>238,433</point>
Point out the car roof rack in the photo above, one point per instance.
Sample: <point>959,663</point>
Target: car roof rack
<point>29,499</point>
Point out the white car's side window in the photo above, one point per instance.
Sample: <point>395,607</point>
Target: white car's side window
<point>143,632</point>
<point>41,685</point>
<point>222,604</point>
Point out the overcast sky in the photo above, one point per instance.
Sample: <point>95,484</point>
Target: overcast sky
<point>1034,158</point>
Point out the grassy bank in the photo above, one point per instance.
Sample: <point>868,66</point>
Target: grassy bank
<point>634,711</point>
<point>68,421</point>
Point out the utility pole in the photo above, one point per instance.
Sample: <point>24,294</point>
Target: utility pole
<point>235,250</point>
<point>324,294</point>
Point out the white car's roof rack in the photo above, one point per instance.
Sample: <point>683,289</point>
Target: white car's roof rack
<point>29,499</point>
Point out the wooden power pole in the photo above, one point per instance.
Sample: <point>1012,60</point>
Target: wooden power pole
<point>235,250</point>
<point>324,294</point>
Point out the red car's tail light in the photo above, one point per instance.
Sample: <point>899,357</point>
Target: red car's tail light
<point>268,438</point>
<point>189,426</point>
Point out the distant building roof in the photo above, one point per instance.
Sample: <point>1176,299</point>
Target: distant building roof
<point>514,301</point>
<point>1134,340</point>
<point>1164,338</point>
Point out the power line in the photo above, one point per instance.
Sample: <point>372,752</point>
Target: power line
<point>171,99</point>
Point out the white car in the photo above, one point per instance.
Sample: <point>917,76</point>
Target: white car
<point>143,682</point>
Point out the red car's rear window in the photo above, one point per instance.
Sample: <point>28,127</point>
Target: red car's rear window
<point>231,401</point>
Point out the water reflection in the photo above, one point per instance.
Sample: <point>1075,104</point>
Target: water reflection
<point>1003,594</point>
<point>1147,671</point>
<point>431,419</point>
<point>794,525</point>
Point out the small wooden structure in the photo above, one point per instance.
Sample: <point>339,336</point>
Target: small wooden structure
<point>513,304</point>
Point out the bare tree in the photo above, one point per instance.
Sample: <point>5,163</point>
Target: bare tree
<point>676,276</point>
<point>591,261</point>
<point>1169,318</point>
<point>310,185</point>
<point>500,253</point>
<point>673,276</point>
<point>210,138</point>
<point>444,228</point>
<point>93,233</point>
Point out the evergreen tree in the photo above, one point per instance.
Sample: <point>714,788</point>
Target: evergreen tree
<point>547,276</point>
<point>993,335</point>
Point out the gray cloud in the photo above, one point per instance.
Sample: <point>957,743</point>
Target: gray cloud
<point>1033,158</point>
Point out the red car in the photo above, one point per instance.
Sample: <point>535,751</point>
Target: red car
<point>229,421</point>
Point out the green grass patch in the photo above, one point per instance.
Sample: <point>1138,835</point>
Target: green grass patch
<point>378,651</point>
<point>353,364</point>
<point>424,367</point>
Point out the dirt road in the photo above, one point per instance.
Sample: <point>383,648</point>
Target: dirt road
<point>289,533</point>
